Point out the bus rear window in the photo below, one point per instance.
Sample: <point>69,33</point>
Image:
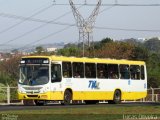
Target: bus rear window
<point>135,72</point>
<point>142,73</point>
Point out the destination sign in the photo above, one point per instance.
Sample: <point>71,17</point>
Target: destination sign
<point>35,61</point>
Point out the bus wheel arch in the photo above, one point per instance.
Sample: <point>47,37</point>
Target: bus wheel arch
<point>68,96</point>
<point>117,96</point>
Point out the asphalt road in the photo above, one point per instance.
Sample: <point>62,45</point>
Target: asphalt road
<point>51,106</point>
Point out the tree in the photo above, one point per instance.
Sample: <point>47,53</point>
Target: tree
<point>9,71</point>
<point>140,53</point>
<point>68,51</point>
<point>99,45</point>
<point>14,51</point>
<point>153,44</point>
<point>106,40</point>
<point>39,49</point>
<point>132,41</point>
<point>153,68</point>
<point>116,50</point>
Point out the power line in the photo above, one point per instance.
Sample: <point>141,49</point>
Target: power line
<point>45,23</point>
<point>35,19</point>
<point>20,17</point>
<point>108,8</point>
<point>7,15</point>
<point>123,29</point>
<point>36,28</point>
<point>68,24</point>
<point>7,29</point>
<point>116,4</point>
<point>11,27</point>
<point>22,48</point>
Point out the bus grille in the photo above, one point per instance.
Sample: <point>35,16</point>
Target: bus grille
<point>32,95</point>
<point>32,88</point>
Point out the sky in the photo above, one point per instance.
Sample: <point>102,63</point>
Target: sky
<point>20,24</point>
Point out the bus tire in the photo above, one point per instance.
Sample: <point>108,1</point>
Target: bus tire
<point>28,102</point>
<point>67,97</point>
<point>117,97</point>
<point>40,102</point>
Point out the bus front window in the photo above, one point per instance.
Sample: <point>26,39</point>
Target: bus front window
<point>34,74</point>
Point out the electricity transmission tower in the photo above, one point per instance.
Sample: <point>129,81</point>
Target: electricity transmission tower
<point>85,26</point>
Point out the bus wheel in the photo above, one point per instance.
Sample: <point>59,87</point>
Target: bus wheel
<point>40,102</point>
<point>117,97</point>
<point>28,102</point>
<point>67,97</point>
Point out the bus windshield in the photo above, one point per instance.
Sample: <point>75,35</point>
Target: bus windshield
<point>34,74</point>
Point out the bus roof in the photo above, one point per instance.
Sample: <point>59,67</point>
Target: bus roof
<point>89,60</point>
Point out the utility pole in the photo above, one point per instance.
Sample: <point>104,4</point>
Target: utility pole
<point>85,26</point>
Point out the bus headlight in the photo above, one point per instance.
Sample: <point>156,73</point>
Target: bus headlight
<point>45,89</point>
<point>22,91</point>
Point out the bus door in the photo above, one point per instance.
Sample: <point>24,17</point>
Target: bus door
<point>56,78</point>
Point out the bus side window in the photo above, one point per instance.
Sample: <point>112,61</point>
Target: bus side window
<point>142,73</point>
<point>102,71</point>
<point>113,72</point>
<point>90,70</point>
<point>67,69</point>
<point>56,73</point>
<point>135,72</point>
<point>124,71</point>
<point>78,70</point>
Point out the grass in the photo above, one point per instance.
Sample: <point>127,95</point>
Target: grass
<point>97,112</point>
<point>3,92</point>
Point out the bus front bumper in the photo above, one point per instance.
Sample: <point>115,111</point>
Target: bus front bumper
<point>42,96</point>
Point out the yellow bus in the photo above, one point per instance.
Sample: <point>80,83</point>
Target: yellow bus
<point>68,79</point>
